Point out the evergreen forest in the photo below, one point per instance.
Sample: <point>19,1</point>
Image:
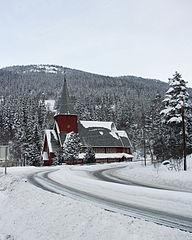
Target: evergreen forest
<point>135,104</point>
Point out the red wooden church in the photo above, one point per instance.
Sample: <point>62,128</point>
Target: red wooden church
<point>109,144</point>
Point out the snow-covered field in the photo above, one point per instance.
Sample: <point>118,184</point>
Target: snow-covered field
<point>30,213</point>
<point>159,176</point>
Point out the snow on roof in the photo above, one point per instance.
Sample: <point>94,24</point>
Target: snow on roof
<point>48,133</point>
<point>50,104</point>
<point>45,156</point>
<point>108,155</point>
<point>122,133</point>
<point>114,134</point>
<point>57,127</point>
<point>98,124</point>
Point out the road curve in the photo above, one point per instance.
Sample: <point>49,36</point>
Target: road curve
<point>43,181</point>
<point>109,175</point>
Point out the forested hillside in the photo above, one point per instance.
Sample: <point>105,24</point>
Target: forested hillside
<point>128,101</point>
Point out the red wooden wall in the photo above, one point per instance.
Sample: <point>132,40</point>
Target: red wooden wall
<point>67,123</point>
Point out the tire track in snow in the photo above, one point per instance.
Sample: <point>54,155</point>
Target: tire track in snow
<point>43,181</point>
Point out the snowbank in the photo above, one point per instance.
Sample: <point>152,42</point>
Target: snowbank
<point>159,176</point>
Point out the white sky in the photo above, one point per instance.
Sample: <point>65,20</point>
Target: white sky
<point>147,38</point>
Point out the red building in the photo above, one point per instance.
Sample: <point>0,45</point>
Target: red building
<point>109,144</point>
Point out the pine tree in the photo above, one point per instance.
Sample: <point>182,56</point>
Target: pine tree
<point>41,117</point>
<point>175,98</point>
<point>89,155</point>
<point>72,147</point>
<point>35,150</point>
<point>154,129</point>
<point>58,159</point>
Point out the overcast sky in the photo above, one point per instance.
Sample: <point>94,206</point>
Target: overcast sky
<point>146,38</point>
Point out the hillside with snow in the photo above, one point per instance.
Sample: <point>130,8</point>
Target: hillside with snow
<point>95,97</point>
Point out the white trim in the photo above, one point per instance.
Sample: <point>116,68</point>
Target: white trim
<point>58,132</point>
<point>45,156</point>
<point>123,133</point>
<point>108,155</point>
<point>48,135</point>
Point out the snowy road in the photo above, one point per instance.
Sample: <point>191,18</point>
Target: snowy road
<point>113,175</point>
<point>87,189</point>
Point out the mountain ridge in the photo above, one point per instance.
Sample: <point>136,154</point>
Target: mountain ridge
<point>59,67</point>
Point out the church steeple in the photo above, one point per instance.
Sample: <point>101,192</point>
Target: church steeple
<point>66,117</point>
<point>64,105</point>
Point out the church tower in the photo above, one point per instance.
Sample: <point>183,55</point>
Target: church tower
<point>66,117</point>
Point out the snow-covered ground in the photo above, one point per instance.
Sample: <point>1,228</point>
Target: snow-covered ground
<point>169,201</point>
<point>28,212</point>
<point>160,176</point>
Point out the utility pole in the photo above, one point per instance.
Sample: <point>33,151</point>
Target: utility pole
<point>144,144</point>
<point>6,153</point>
<point>24,160</point>
<point>184,138</point>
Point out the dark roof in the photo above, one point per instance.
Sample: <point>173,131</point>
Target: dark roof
<point>100,136</point>
<point>92,133</point>
<point>54,143</point>
<point>125,141</point>
<point>62,137</point>
<point>64,106</point>
<point>52,140</point>
<point>124,138</point>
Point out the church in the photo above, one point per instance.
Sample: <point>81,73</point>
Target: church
<point>108,143</point>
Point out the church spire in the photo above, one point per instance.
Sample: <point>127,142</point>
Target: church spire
<point>64,105</point>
